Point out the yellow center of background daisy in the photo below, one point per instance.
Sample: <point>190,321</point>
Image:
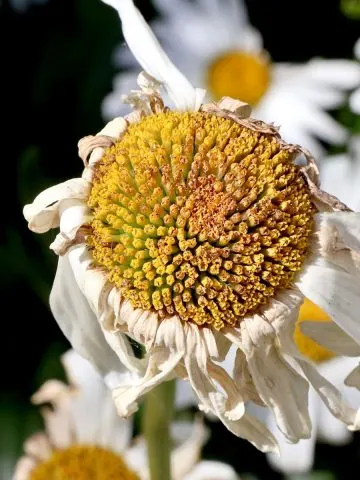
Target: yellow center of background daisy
<point>83,463</point>
<point>308,347</point>
<point>239,75</point>
<point>198,216</point>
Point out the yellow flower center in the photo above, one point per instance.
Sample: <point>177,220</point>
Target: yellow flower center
<point>308,347</point>
<point>196,215</point>
<point>239,75</point>
<point>83,463</point>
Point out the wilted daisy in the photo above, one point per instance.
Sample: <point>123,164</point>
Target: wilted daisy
<point>85,438</point>
<point>192,230</point>
<point>355,97</point>
<point>340,175</point>
<point>215,46</point>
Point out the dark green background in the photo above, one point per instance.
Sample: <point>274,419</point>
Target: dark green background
<point>55,70</point>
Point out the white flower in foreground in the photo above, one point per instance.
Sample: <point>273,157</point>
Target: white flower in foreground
<point>214,45</point>
<point>85,438</point>
<point>355,97</point>
<point>193,230</point>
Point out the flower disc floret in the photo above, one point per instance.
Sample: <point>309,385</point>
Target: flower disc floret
<point>199,216</point>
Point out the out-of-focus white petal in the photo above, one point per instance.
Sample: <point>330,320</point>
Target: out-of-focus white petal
<point>148,52</point>
<point>332,337</point>
<point>93,400</point>
<point>354,101</point>
<point>335,292</point>
<point>212,470</point>
<point>343,74</point>
<point>330,429</point>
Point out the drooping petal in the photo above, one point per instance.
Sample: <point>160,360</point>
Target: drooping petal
<point>24,467</point>
<point>280,387</point>
<point>43,213</point>
<point>148,52</point>
<point>80,325</point>
<point>298,458</point>
<point>38,446</point>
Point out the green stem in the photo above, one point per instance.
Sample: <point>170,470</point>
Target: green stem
<point>158,414</point>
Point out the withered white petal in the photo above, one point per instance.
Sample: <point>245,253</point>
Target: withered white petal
<point>43,213</point>
<point>148,52</point>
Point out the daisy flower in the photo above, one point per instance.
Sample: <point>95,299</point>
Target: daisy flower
<point>192,230</point>
<point>85,438</point>
<point>215,46</point>
<point>355,97</point>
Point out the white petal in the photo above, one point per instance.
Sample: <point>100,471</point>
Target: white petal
<point>212,470</point>
<point>354,101</point>
<point>332,337</point>
<point>331,396</point>
<point>38,446</point>
<point>24,467</point>
<point>43,213</point>
<point>343,74</point>
<point>94,401</point>
<point>248,427</point>
<point>80,325</point>
<point>148,52</point>
<point>331,429</point>
<point>280,387</point>
<point>335,292</point>
<point>185,456</point>
<point>357,49</point>
<point>296,458</point>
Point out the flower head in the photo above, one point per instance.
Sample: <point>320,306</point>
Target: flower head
<point>193,230</point>
<point>85,438</point>
<point>217,48</point>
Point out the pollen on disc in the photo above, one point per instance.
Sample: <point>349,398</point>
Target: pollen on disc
<point>198,216</point>
<point>83,462</point>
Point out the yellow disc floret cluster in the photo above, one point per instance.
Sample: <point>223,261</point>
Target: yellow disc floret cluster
<point>198,216</point>
<point>83,463</point>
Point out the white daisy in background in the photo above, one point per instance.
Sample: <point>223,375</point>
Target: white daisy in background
<point>86,439</point>
<point>192,230</point>
<point>355,97</point>
<point>213,44</point>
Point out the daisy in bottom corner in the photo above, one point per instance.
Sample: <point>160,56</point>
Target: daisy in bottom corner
<point>194,228</point>
<point>84,437</point>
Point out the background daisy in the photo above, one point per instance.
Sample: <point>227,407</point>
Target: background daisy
<point>216,47</point>
<point>86,438</point>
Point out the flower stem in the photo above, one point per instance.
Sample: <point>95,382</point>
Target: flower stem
<point>158,413</point>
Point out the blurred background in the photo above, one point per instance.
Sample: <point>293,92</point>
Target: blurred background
<point>56,68</point>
